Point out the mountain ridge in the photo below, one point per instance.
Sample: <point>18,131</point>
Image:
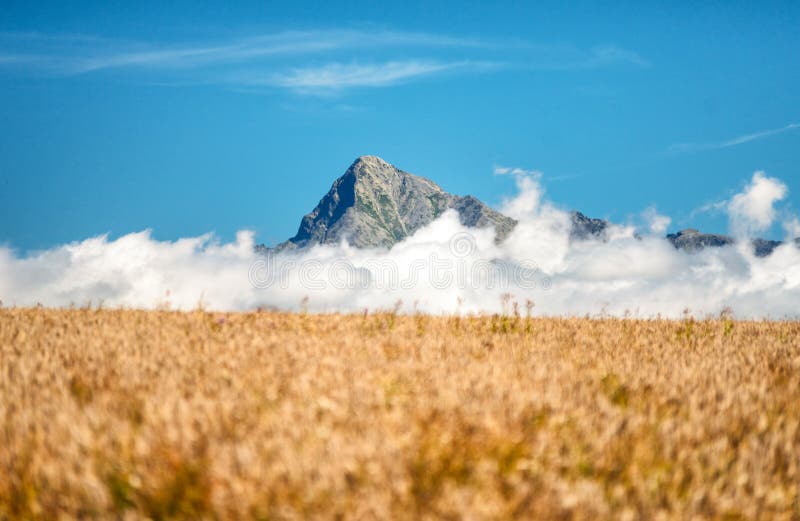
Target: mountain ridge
<point>375,204</point>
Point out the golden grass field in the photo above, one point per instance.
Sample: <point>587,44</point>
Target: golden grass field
<point>165,415</point>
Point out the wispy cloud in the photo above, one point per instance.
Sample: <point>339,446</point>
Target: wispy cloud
<point>350,58</point>
<point>564,177</point>
<point>614,54</point>
<point>713,207</point>
<point>568,57</point>
<point>740,140</point>
<point>37,36</point>
<point>506,170</point>
<point>86,54</point>
<point>534,174</point>
<point>12,58</point>
<point>338,76</point>
<point>270,45</point>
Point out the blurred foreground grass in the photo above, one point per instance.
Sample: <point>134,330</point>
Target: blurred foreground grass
<point>166,415</point>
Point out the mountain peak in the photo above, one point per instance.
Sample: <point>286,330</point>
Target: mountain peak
<point>374,169</point>
<point>690,239</point>
<point>369,160</point>
<point>376,204</point>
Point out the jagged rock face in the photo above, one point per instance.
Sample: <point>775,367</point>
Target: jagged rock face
<point>375,204</point>
<point>584,227</point>
<point>764,247</point>
<point>473,213</point>
<point>692,240</point>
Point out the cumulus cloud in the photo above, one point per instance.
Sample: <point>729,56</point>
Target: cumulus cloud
<point>444,267</point>
<point>792,228</point>
<point>753,210</point>
<point>133,270</point>
<point>657,224</point>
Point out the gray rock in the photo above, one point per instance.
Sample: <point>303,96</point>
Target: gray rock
<point>474,214</point>
<point>375,204</point>
<point>692,240</point>
<point>764,247</point>
<point>584,228</point>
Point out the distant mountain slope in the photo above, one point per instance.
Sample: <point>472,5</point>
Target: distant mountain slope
<point>375,204</point>
<point>692,240</point>
<point>584,228</point>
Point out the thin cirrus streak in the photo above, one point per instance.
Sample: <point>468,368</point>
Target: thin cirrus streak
<point>740,140</point>
<point>536,174</point>
<point>352,58</point>
<point>71,55</point>
<point>337,76</point>
<point>265,46</point>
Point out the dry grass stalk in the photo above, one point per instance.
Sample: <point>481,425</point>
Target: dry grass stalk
<point>164,415</point>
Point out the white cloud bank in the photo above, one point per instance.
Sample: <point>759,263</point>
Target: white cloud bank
<point>442,268</point>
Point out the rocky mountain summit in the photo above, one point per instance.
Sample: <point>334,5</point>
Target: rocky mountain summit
<point>692,240</point>
<point>375,204</point>
<point>584,228</point>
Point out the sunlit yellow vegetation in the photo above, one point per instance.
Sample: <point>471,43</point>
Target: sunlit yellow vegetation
<point>134,414</point>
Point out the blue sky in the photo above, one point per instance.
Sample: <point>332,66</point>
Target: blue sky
<point>187,119</point>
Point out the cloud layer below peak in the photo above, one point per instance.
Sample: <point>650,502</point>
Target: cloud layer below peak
<point>444,267</point>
